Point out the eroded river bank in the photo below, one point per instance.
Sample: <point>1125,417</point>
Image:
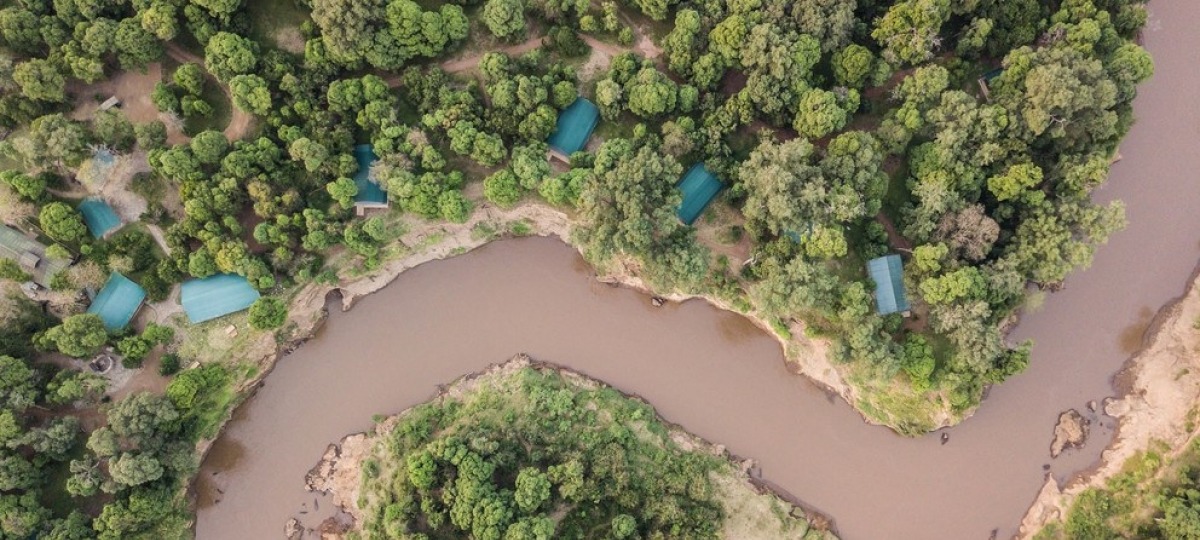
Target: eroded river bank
<point>720,377</point>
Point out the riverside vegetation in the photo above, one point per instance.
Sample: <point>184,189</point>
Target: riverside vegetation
<point>527,451</point>
<point>843,129</point>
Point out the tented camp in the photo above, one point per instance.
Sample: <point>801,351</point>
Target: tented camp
<point>216,296</point>
<point>100,218</point>
<point>369,195</point>
<point>118,302</point>
<point>888,274</point>
<point>573,129</point>
<point>30,255</point>
<point>699,187</point>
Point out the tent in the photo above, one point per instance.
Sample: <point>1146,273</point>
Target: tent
<point>574,127</point>
<point>216,296</point>
<point>118,302</point>
<point>99,217</point>
<point>369,193</point>
<point>888,274</point>
<point>30,255</point>
<point>699,187</point>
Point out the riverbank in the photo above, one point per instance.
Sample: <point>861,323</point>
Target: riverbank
<point>751,509</point>
<point>1160,389</point>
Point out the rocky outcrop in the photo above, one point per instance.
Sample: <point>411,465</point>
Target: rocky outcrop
<point>1070,432</point>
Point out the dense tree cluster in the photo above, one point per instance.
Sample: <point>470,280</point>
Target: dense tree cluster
<point>533,455</point>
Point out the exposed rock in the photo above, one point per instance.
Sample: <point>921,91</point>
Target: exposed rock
<point>1071,432</point>
<point>293,530</point>
<point>1092,405</point>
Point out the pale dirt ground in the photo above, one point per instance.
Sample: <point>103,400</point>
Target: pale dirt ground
<point>754,513</point>
<point>133,88</point>
<point>1163,393</point>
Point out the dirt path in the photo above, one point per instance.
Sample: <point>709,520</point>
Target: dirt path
<point>895,239</point>
<point>463,64</point>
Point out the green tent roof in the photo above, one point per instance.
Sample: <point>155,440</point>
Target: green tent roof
<point>888,274</point>
<point>118,302</point>
<point>30,255</point>
<point>699,187</point>
<point>215,296</point>
<point>99,217</point>
<point>574,127</point>
<point>369,191</point>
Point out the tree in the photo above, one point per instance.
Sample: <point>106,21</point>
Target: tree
<point>651,93</point>
<point>160,18</point>
<point>533,489</point>
<point>189,77</point>
<point>829,21</point>
<point>502,187</point>
<point>136,48</point>
<point>908,32</point>
<point>227,55</point>
<point>79,335</point>
<point>343,191</point>
<point>852,64</point>
<point>23,515</point>
<point>268,313</point>
<point>132,469</point>
<point>454,207</point>
<point>18,390</point>
<point>61,222</point>
<point>53,141</point>
<point>40,80</point>
<point>1014,181</point>
<point>251,94</point>
<point>313,154</point>
<point>209,146</point>
<point>504,18</point>
<point>69,386</point>
<point>819,113</point>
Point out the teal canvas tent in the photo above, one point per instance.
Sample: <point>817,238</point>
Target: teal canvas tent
<point>369,193</point>
<point>216,296</point>
<point>118,302</point>
<point>699,187</point>
<point>888,274</point>
<point>574,127</point>
<point>99,217</point>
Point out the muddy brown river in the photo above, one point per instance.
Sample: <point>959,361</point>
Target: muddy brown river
<point>723,379</point>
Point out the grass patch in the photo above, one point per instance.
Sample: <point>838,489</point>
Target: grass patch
<point>271,18</point>
<point>215,96</point>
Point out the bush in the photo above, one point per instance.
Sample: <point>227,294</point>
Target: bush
<point>169,365</point>
<point>268,313</point>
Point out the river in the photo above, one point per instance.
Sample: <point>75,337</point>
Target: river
<point>723,379</point>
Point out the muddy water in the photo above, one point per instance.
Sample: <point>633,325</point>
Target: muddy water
<point>723,379</point>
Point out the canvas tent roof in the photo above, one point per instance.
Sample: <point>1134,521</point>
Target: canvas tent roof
<point>888,274</point>
<point>118,302</point>
<point>699,187</point>
<point>216,296</point>
<point>99,217</point>
<point>574,127</point>
<point>30,255</point>
<point>369,192</point>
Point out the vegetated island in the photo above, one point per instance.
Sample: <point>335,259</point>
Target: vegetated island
<point>1148,483</point>
<point>526,450</point>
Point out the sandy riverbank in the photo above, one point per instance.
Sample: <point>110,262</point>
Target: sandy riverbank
<point>1160,388</point>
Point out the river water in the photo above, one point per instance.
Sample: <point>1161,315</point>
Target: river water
<point>723,379</point>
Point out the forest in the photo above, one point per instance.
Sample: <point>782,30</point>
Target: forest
<point>528,453</point>
<point>965,136</point>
